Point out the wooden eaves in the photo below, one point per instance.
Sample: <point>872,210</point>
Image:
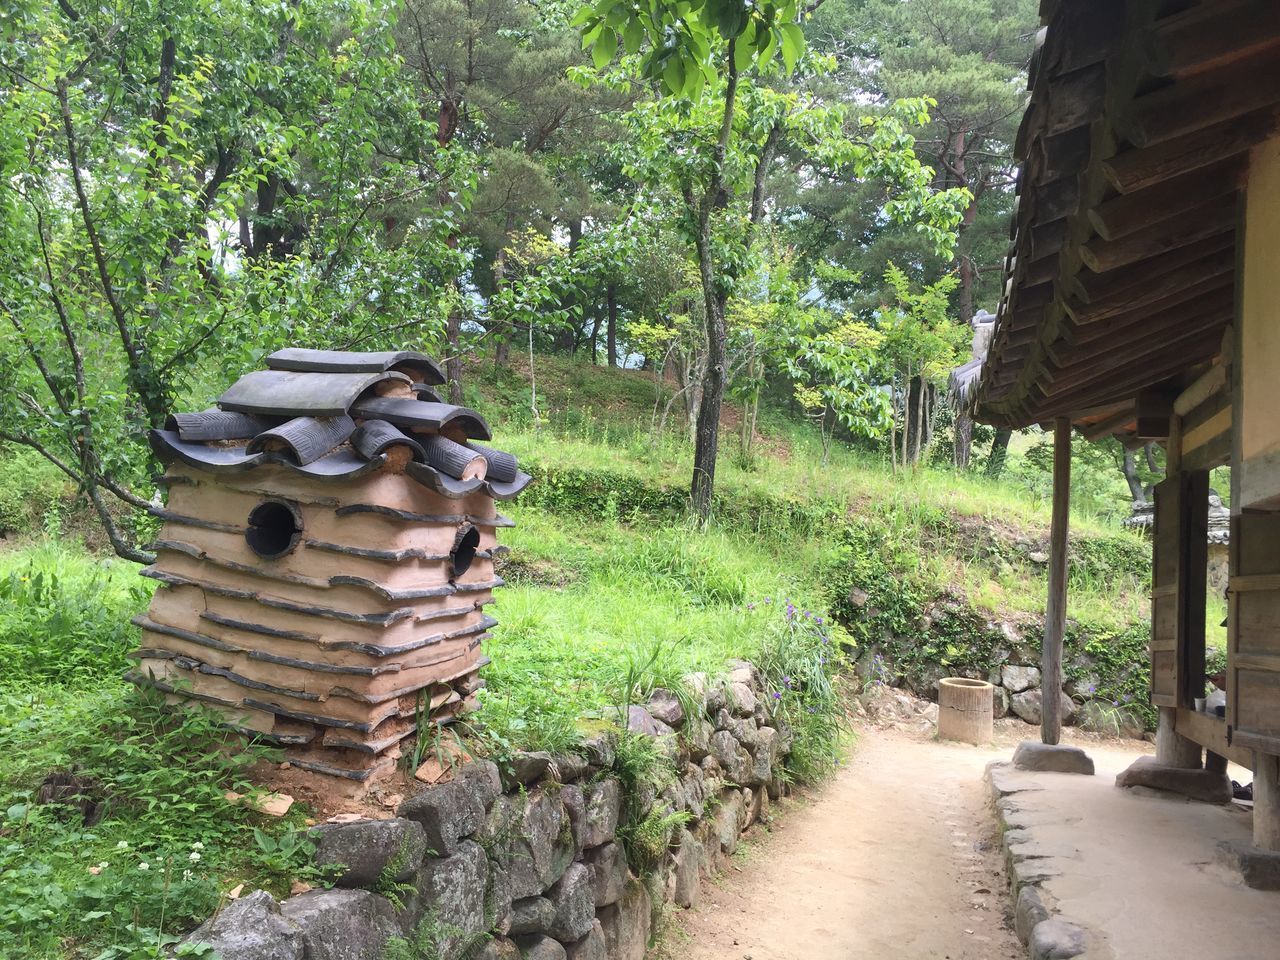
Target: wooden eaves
<point>1120,277</point>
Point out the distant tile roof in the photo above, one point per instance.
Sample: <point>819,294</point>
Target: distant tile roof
<point>338,415</point>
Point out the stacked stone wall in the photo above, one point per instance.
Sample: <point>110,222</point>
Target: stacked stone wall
<point>531,859</point>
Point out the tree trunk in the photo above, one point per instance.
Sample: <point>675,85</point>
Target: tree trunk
<point>594,339</point>
<point>1130,469</point>
<point>707,430</point>
<point>999,452</point>
<point>963,448</point>
<point>611,331</point>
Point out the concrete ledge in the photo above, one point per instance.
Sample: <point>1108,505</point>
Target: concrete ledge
<point>1201,785</point>
<point>1053,758</point>
<point>1259,869</point>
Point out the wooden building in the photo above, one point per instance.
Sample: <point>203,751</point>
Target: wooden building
<point>1142,300</point>
<point>326,557</point>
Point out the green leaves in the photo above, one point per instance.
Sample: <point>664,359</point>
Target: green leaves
<point>689,43</point>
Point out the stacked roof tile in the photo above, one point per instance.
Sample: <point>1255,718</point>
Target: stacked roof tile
<point>326,556</point>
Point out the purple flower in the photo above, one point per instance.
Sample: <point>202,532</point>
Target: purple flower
<point>786,682</point>
<point>819,620</point>
<point>777,695</point>
<point>751,606</point>
<point>768,600</point>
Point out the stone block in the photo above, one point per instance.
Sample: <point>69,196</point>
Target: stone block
<point>1056,939</point>
<point>448,812</point>
<point>1015,679</point>
<point>451,893</point>
<point>499,948</point>
<point>607,865</point>
<point>742,699</point>
<point>733,758</point>
<point>590,947</point>
<point>665,707</point>
<point>686,871</point>
<point>527,768</point>
<point>342,924</point>
<point>1202,785</point>
<point>626,923</point>
<point>1028,913</point>
<point>728,821</point>
<point>573,903</point>
<point>538,947</point>
<point>541,844</point>
<point>531,915</point>
<point>1027,706</point>
<point>364,850</point>
<point>640,720</point>
<point>601,749</point>
<point>572,767</point>
<point>1055,758</point>
<point>1259,869</point>
<point>575,808</point>
<point>603,808</point>
<point>250,928</point>
<point>483,779</point>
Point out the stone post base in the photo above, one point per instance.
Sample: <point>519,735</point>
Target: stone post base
<point>1203,785</point>
<point>1052,757</point>
<point>1259,869</point>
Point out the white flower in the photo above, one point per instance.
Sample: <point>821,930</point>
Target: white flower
<point>197,845</point>
<point>144,865</point>
<point>103,865</point>
<point>195,857</point>
<point>187,876</point>
<point>122,845</point>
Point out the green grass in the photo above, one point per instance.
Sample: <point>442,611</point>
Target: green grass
<point>597,614</point>
<point>151,778</point>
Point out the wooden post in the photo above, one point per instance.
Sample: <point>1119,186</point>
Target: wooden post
<point>1266,802</point>
<point>1055,619</point>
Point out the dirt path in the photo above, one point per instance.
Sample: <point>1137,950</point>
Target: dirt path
<point>895,858</point>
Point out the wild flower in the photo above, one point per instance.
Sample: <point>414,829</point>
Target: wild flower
<point>122,845</point>
<point>194,857</point>
<point>777,695</point>
<point>144,865</point>
<point>768,600</point>
<point>187,876</point>
<point>751,606</point>
<point>786,682</point>
<point>197,845</point>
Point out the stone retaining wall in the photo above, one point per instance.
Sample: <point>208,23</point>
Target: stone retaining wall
<point>529,860</point>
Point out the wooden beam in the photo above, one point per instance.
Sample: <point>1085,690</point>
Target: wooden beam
<point>1210,219</point>
<point>1191,281</point>
<point>1131,212</point>
<point>1052,201</point>
<point>1209,383</point>
<point>1120,386</point>
<point>1203,101</point>
<point>1108,425</point>
<point>1140,168</point>
<point>1055,621</point>
<point>1090,287</point>
<point>1075,99</point>
<point>1158,317</point>
<point>1153,409</point>
<point>1210,36</point>
<point>1105,362</point>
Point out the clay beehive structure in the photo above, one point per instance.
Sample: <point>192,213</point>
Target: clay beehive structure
<point>326,557</point>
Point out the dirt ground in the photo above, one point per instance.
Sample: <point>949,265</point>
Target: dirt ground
<point>895,857</point>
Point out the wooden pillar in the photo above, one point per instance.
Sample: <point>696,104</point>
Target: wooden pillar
<point>1266,802</point>
<point>1172,748</point>
<point>1055,618</point>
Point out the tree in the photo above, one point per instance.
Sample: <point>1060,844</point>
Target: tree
<point>920,346</point>
<point>970,56</point>
<point>185,187</point>
<point>713,66</point>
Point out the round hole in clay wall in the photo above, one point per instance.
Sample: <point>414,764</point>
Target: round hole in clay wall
<point>464,549</point>
<point>274,529</point>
